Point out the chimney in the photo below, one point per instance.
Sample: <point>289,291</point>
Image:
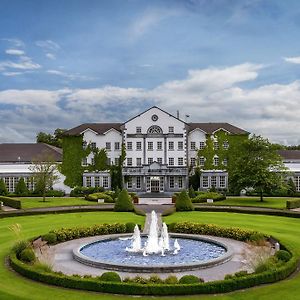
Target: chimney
<point>177,114</point>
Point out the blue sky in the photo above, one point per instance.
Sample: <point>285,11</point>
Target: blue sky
<point>63,63</point>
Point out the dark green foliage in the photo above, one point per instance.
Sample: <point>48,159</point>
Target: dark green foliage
<point>194,180</point>
<point>237,274</point>
<point>171,279</point>
<point>192,192</point>
<point>14,203</point>
<point>21,188</point>
<point>50,238</point>
<point>54,140</point>
<point>124,202</point>
<point>283,255</point>
<point>203,196</point>
<point>19,247</point>
<point>94,197</point>
<point>189,279</point>
<point>3,189</point>
<point>80,191</point>
<point>155,279</point>
<point>110,276</point>
<point>130,227</point>
<point>27,255</point>
<point>290,204</point>
<point>291,187</point>
<point>183,202</point>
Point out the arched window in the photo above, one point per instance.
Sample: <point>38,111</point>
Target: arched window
<point>155,130</point>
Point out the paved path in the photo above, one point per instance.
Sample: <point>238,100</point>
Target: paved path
<point>8,208</point>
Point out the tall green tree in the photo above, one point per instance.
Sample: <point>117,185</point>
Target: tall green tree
<point>3,189</point>
<point>54,139</point>
<point>21,188</point>
<point>100,160</point>
<point>258,165</point>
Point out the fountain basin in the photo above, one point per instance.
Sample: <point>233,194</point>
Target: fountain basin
<point>189,258</point>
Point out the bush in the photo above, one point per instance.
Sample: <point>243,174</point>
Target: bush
<point>283,255</point>
<point>50,238</point>
<point>110,276</point>
<point>155,279</point>
<point>3,189</point>
<point>172,279</point>
<point>192,192</point>
<point>21,188</point>
<point>27,255</point>
<point>42,267</point>
<point>123,202</point>
<point>290,204</point>
<point>55,193</point>
<point>19,247</point>
<point>14,203</point>
<point>202,197</point>
<point>94,197</point>
<point>80,191</point>
<point>183,202</point>
<point>236,275</point>
<point>130,227</point>
<point>189,279</point>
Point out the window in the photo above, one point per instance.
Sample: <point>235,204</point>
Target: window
<point>180,161</point>
<point>222,181</point>
<point>88,181</point>
<point>108,161</point>
<point>159,160</point>
<point>201,161</point>
<point>150,160</point>
<point>171,145</point>
<point>97,181</point>
<point>193,145</point>
<point>201,145</point>
<point>93,146</point>
<point>193,161</point>
<point>138,182</point>
<point>225,145</point>
<point>180,182</point>
<point>116,161</point>
<point>171,129</point>
<point>171,161</point>
<point>84,144</point>
<point>216,145</point>
<point>92,161</point>
<point>159,145</point>
<point>129,161</point>
<point>108,146</point>
<point>180,145</point>
<point>138,129</point>
<point>117,146</point>
<point>105,182</point>
<point>216,161</point>
<point>171,182</point>
<point>213,181</point>
<point>129,145</point>
<point>150,146</point>
<point>205,182</point>
<point>84,162</point>
<point>138,161</point>
<point>225,162</point>
<point>129,183</point>
<point>155,130</point>
<point>138,146</point>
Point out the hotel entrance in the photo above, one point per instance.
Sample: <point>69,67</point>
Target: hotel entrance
<point>155,184</point>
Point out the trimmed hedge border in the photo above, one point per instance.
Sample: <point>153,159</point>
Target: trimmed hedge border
<point>92,284</point>
<point>292,204</point>
<point>14,203</point>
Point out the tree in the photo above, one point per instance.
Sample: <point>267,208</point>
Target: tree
<point>183,202</point>
<point>257,164</point>
<point>44,170</point>
<point>100,160</point>
<point>116,171</point>
<point>3,189</point>
<point>124,202</point>
<point>21,188</point>
<point>194,180</point>
<point>51,139</point>
<point>291,187</point>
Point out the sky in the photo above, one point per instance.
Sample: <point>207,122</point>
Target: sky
<point>68,62</point>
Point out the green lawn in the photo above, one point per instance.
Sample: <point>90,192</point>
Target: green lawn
<point>53,201</point>
<point>13,286</point>
<point>254,201</point>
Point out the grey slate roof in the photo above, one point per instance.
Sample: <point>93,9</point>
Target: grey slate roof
<point>290,154</point>
<point>100,128</point>
<point>27,152</point>
<point>209,128</point>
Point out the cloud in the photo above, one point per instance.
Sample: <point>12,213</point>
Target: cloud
<point>293,60</point>
<point>69,76</point>
<point>50,56</point>
<point>15,42</point>
<point>24,63</point>
<point>14,52</point>
<point>48,45</point>
<point>11,74</point>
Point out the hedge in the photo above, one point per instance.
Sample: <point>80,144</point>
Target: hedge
<point>92,284</point>
<point>14,203</point>
<point>202,197</point>
<point>292,204</point>
<point>101,195</point>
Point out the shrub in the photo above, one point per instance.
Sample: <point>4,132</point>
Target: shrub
<point>27,255</point>
<point>189,279</point>
<point>123,202</point>
<point>192,192</point>
<point>130,227</point>
<point>183,202</point>
<point>50,238</point>
<point>19,247</point>
<point>55,193</point>
<point>267,265</point>
<point>42,267</point>
<point>15,203</point>
<point>96,196</point>
<point>202,197</point>
<point>21,188</point>
<point>110,276</point>
<point>236,275</point>
<point>80,191</point>
<point>283,255</point>
<point>155,279</point>
<point>172,279</point>
<point>290,204</point>
<point>3,189</point>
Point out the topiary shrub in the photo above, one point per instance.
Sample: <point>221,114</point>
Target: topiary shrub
<point>123,202</point>
<point>183,202</point>
<point>110,276</point>
<point>192,192</point>
<point>27,255</point>
<point>19,247</point>
<point>21,188</point>
<point>155,279</point>
<point>95,196</point>
<point>172,279</point>
<point>50,238</point>
<point>189,279</point>
<point>3,189</point>
<point>203,196</point>
<point>283,255</point>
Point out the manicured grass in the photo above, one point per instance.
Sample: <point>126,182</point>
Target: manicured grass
<point>13,286</point>
<point>254,201</point>
<point>54,201</point>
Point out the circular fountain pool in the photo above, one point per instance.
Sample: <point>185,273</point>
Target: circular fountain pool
<point>195,253</point>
